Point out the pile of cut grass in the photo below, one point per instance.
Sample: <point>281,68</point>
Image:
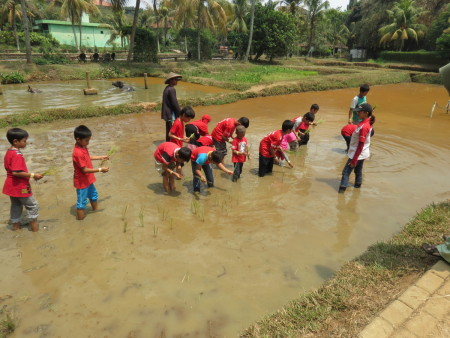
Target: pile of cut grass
<point>345,304</point>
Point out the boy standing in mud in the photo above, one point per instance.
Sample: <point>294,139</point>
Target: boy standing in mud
<point>176,133</point>
<point>83,177</point>
<point>17,183</point>
<point>357,100</point>
<point>239,148</point>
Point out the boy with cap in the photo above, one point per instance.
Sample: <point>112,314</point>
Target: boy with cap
<point>359,147</point>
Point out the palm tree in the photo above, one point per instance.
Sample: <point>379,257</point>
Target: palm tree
<point>88,7</point>
<point>314,10</point>
<point>250,36</point>
<point>11,10</point>
<point>184,16</point>
<point>209,15</point>
<point>119,21</point>
<point>292,5</point>
<point>133,29</point>
<point>403,27</point>
<point>240,11</point>
<point>26,29</point>
<point>165,15</point>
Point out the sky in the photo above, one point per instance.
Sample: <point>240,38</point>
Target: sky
<point>333,3</point>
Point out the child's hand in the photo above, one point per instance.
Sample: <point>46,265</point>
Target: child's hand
<point>177,175</point>
<point>185,139</point>
<point>37,177</point>
<point>202,178</point>
<point>106,157</point>
<point>290,164</point>
<point>104,170</point>
<point>229,172</point>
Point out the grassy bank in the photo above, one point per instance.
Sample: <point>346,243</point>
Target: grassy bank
<point>23,119</point>
<point>362,287</point>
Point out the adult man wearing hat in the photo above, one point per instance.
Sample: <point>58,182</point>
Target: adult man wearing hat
<point>170,109</point>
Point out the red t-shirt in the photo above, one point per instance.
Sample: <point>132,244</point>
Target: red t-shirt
<point>165,152</point>
<point>178,130</point>
<point>272,140</point>
<point>81,159</point>
<point>304,125</point>
<point>16,186</point>
<point>224,128</point>
<point>348,129</point>
<point>297,123</point>
<point>201,150</point>
<point>239,144</point>
<point>201,126</point>
<point>206,140</point>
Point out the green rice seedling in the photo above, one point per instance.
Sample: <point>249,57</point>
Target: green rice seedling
<point>155,230</point>
<point>171,223</point>
<point>124,219</point>
<point>7,325</point>
<point>141,216</point>
<point>52,171</point>
<point>110,153</point>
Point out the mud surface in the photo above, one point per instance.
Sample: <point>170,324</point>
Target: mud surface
<point>149,265</point>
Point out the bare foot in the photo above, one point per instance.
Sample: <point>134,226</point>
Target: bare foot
<point>16,226</point>
<point>34,225</point>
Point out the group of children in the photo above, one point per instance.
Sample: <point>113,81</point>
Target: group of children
<point>190,141</point>
<point>17,184</point>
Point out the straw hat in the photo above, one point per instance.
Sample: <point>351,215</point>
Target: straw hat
<point>172,76</point>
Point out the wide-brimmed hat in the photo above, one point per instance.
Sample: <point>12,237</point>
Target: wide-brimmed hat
<point>172,76</point>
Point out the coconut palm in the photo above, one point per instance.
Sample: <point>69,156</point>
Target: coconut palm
<point>292,5</point>
<point>240,11</point>
<point>118,23</point>
<point>88,7</point>
<point>26,30</point>
<point>250,35</point>
<point>315,9</point>
<point>133,29</point>
<point>404,16</point>
<point>183,15</point>
<point>209,15</point>
<point>11,10</point>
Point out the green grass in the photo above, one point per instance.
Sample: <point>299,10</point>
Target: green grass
<point>8,323</point>
<point>362,287</point>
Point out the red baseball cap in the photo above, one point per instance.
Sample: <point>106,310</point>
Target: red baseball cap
<point>206,117</point>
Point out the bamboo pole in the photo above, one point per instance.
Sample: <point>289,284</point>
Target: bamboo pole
<point>145,81</point>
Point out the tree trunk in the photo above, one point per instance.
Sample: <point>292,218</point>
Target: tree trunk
<point>72,20</point>
<point>199,32</point>
<point>15,27</point>
<point>80,28</point>
<point>133,30</point>
<point>26,29</point>
<point>250,37</point>
<point>155,9</point>
<point>185,44</point>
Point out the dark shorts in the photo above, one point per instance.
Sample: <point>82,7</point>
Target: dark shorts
<point>221,147</point>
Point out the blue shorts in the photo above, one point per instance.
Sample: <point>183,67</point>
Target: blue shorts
<point>84,194</point>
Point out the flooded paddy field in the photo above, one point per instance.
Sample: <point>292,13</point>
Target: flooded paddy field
<point>69,94</point>
<point>152,265</point>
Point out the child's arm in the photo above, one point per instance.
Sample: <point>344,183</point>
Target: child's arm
<point>350,116</point>
<point>225,170</point>
<point>87,170</point>
<point>198,173</point>
<point>170,171</point>
<point>95,158</point>
<point>23,174</point>
<point>182,139</point>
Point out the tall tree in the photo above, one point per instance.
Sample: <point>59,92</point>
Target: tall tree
<point>250,35</point>
<point>184,16</point>
<point>133,29</point>
<point>240,11</point>
<point>209,15</point>
<point>315,9</point>
<point>403,26</point>
<point>88,7</point>
<point>11,10</point>
<point>26,29</point>
<point>292,5</point>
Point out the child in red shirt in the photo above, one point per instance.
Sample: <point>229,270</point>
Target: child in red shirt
<point>83,177</point>
<point>347,132</point>
<point>224,130</point>
<point>269,145</point>
<point>239,148</point>
<point>176,133</point>
<point>17,183</point>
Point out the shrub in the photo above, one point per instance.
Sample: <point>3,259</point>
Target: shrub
<point>436,58</point>
<point>14,77</point>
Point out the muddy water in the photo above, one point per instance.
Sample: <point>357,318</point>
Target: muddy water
<point>148,265</point>
<point>69,94</point>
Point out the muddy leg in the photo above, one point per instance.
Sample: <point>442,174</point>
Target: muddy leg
<point>16,226</point>
<point>34,225</point>
<point>94,205</point>
<point>80,214</point>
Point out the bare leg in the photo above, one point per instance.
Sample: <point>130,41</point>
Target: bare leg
<point>171,183</point>
<point>166,182</point>
<point>94,205</point>
<point>80,214</point>
<point>16,226</point>
<point>34,225</point>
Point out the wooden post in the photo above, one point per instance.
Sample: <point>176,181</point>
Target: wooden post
<point>1,90</point>
<point>432,110</point>
<point>145,81</point>
<point>89,90</point>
